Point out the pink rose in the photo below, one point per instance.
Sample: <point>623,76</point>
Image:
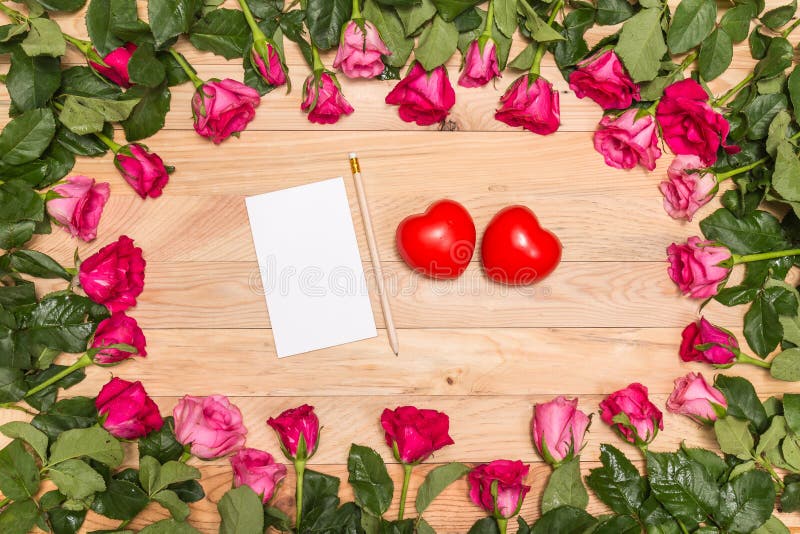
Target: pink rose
<point>324,101</point>
<point>717,344</point>
<point>268,63</point>
<point>143,170</point>
<point>644,420</point>
<point>693,397</point>
<point>694,267</point>
<point>558,429</point>
<point>79,206</point>
<point>296,426</point>
<point>119,329</point>
<point>114,275</point>
<point>424,97</point>
<point>223,108</point>
<point>116,68</point>
<point>480,64</point>
<point>530,102</point>
<point>415,434</point>
<point>360,51</point>
<point>603,79</point>
<point>257,470</point>
<point>625,141</point>
<point>686,192</point>
<point>128,413</point>
<point>509,477</point>
<point>688,123</point>
<point>211,425</point>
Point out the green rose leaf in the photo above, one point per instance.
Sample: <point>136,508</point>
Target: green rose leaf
<point>746,503</point>
<point>223,32</point>
<point>32,81</point>
<point>791,411</point>
<point>772,526</point>
<point>149,115</point>
<point>413,17</point>
<point>736,21</point>
<point>320,496</point>
<point>19,517</point>
<point>144,68</point>
<point>611,12</point>
<point>505,16</point>
<point>392,32</point>
<point>450,9</point>
<point>775,18</point>
<point>743,402</point>
<point>44,399</point>
<point>684,487</point>
<point>761,112</point>
<point>692,22</point>
<point>169,18</point>
<point>618,483</point>
<point>437,43</point>
<point>176,507</point>
<point>755,232</point>
<point>155,477</point>
<point>161,444</point>
<point>75,412</point>
<point>372,485</point>
<point>618,524</point>
<point>436,481</point>
<point>100,26</point>
<point>716,54</point>
<point>540,31</point>
<point>37,264</point>
<point>715,465</point>
<point>121,500</point>
<point>786,365</point>
<point>85,115</point>
<point>76,480</point>
<point>487,525</point>
<point>771,439</point>
<point>778,58</point>
<point>241,512</point>
<point>563,520</point>
<point>793,84</point>
<point>733,436</point>
<point>27,433</point>
<point>641,44</point>
<point>19,201</point>
<point>169,526</point>
<point>786,177</point>
<point>325,19</point>
<point>62,5</point>
<point>565,487</point>
<point>13,235</point>
<point>19,474</point>
<point>95,443</point>
<point>27,137</point>
<point>44,39</point>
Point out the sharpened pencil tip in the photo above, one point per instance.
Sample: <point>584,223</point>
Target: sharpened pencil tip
<point>397,353</point>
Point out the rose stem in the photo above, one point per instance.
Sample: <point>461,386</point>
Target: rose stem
<point>190,72</point>
<point>299,469</point>
<point>744,358</point>
<point>785,33</point>
<point>502,524</point>
<point>721,177</point>
<point>110,143</point>
<point>487,31</point>
<point>747,258</point>
<point>258,35</point>
<point>83,361</point>
<point>406,479</point>
<point>732,91</point>
<point>356,10</point>
<point>541,47</point>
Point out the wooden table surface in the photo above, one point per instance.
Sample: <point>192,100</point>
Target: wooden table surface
<point>480,352</point>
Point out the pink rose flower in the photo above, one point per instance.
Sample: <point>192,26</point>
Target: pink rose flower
<point>119,329</point>
<point>686,192</point>
<point>114,275</point>
<point>509,477</point>
<point>127,411</point>
<point>80,206</point>
<point>644,419</point>
<point>694,267</point>
<point>257,470</point>
<point>116,68</point>
<point>269,65</point>
<point>415,434</point>
<point>603,79</point>
<point>211,426</point>
<point>694,398</point>
<point>324,102</point>
<point>143,170</point>
<point>296,425</point>
<point>223,108</point>
<point>558,429</point>
<point>720,343</point>
<point>688,123</point>
<point>625,141</point>
<point>424,97</point>
<point>480,66</point>
<point>360,51</point>
<point>532,104</point>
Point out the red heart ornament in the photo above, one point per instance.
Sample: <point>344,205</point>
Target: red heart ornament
<point>516,250</point>
<point>438,243</point>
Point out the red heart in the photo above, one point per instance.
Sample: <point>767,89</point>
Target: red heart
<point>516,250</point>
<point>438,243</point>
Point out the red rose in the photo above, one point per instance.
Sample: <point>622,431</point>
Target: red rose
<point>143,170</point>
<point>696,399</point>
<point>296,425</point>
<point>532,104</point>
<point>324,101</point>
<point>508,477</point>
<point>644,420</point>
<point>257,470</point>
<point>480,64</point>
<point>415,434</point>
<point>129,413</point>
<point>116,65</point>
<point>626,141</point>
<point>695,267</point>
<point>114,276</point>
<point>360,50</point>
<point>223,108</point>
<point>424,97</point>
<point>268,63</point>
<point>79,206</point>
<point>119,329</point>
<point>603,79</point>
<point>718,343</point>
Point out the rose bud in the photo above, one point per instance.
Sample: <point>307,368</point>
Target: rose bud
<point>603,79</point>
<point>79,206</point>
<point>119,329</point>
<point>211,426</point>
<point>298,430</point>
<point>695,267</point>
<point>480,64</point>
<point>688,123</point>
<point>360,50</point>
<point>717,345</point>
<point>257,470</point>
<point>114,275</point>
<point>222,108</point>
<point>128,413</point>
<point>424,97</point>
<point>116,65</point>
<point>693,397</point>
<point>415,434</point>
<point>504,478</point>
<point>532,104</point>
<point>143,170</point>
<point>268,63</point>
<point>685,192</point>
<point>625,141</point>
<point>558,429</point>
<point>631,413</point>
<point>324,101</point>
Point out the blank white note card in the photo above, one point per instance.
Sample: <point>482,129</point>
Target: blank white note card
<point>311,270</point>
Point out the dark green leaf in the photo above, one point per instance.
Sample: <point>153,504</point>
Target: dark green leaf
<point>436,481</point>
<point>791,411</point>
<point>762,327</point>
<point>641,44</point>
<point>66,521</point>
<point>19,201</point>
<point>777,59</point>
<point>170,18</point>
<point>685,488</point>
<point>692,22</point>
<point>743,402</point>
<point>222,31</point>
<point>614,11</point>
<point>564,520</point>
<point>12,385</point>
<point>62,5</point>
<point>716,54</point>
<point>169,526</point>
<point>27,137</point>
<point>100,26</point>
<point>761,112</point>
<point>756,232</point>
<point>161,444</point>
<point>44,399</point>
<point>618,524</point>
<point>76,412</point>
<point>241,512</point>
<point>392,32</point>
<point>19,474</point>
<point>372,485</point>
<point>37,264</point>
<point>618,483</point>
<point>565,487</point>
<point>15,234</point>
<point>122,500</point>
<point>32,81</point>
<point>746,502</point>
<point>413,17</point>
<point>320,496</point>
<point>450,9</point>
<point>325,19</point>
<point>149,115</point>
<point>733,436</point>
<point>775,18</point>
<point>18,517</point>
<point>144,68</point>
<point>736,21</point>
<point>437,43</point>
<point>487,525</point>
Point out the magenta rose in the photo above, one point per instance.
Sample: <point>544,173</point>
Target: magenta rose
<point>480,64</point>
<point>79,206</point>
<point>641,419</point>
<point>360,50</point>
<point>127,412</point>
<point>143,170</point>
<point>211,426</point>
<point>696,399</point>
<point>717,345</point>
<point>509,477</point>
<point>114,275</point>
<point>688,123</point>
<point>324,101</point>
<point>119,329</point>
<point>530,102</point>
<point>603,79</point>
<point>257,470</point>
<point>415,434</point>
<point>558,429</point>
<point>695,267</point>
<point>424,97</point>
<point>298,431</point>
<point>268,63</point>
<point>116,65</point>
<point>684,191</point>
<point>626,141</point>
<point>222,108</point>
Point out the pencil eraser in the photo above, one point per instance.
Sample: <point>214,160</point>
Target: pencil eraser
<point>352,155</point>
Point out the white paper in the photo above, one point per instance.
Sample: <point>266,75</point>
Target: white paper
<point>311,270</point>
